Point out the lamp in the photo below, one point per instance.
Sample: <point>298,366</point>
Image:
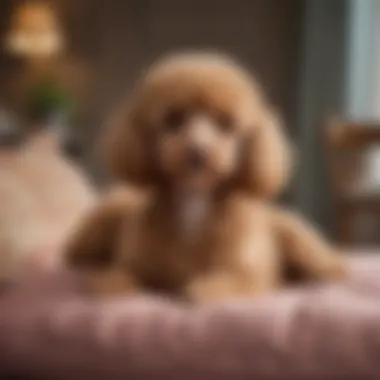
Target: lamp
<point>34,31</point>
<point>35,34</point>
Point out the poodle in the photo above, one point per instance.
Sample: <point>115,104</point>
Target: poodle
<point>209,155</point>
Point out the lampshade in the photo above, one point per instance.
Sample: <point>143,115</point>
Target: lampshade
<point>34,31</point>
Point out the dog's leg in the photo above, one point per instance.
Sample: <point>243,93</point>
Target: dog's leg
<point>306,250</point>
<point>220,286</point>
<point>245,260</point>
<point>110,282</point>
<point>93,248</point>
<point>93,242</point>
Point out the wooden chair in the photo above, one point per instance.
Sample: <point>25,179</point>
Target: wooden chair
<point>347,146</point>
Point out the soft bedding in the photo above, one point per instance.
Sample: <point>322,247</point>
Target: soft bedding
<point>50,329</point>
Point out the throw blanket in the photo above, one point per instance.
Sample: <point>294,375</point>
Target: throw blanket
<point>42,196</point>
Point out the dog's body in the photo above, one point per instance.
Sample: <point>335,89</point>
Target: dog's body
<point>201,137</point>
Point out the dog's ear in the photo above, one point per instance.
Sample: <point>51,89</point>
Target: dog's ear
<point>267,157</point>
<point>126,152</point>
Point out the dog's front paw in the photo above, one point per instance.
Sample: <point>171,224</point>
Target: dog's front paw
<point>206,290</point>
<point>218,288</point>
<point>336,270</point>
<point>110,283</point>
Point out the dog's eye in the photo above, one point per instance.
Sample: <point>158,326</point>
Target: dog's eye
<point>174,119</point>
<point>225,123</point>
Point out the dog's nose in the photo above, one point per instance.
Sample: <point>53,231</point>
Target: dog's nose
<point>196,158</point>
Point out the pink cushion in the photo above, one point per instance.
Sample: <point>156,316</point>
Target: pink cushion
<point>50,329</point>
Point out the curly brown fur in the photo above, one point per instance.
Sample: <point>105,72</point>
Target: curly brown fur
<point>200,135</point>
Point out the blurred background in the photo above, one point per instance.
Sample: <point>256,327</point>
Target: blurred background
<point>67,63</point>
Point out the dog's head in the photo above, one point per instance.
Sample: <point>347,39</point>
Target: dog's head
<point>199,121</point>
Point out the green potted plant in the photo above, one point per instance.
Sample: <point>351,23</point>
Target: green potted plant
<point>48,101</point>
